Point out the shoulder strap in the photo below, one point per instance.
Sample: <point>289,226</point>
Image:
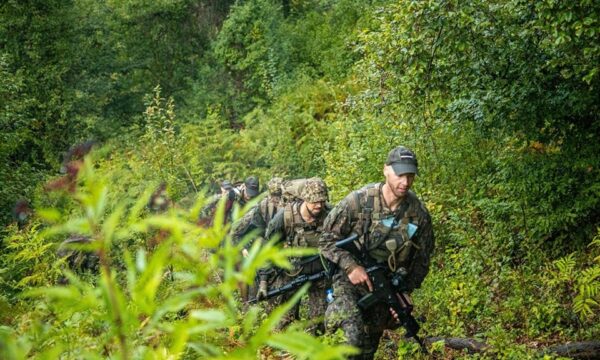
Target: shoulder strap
<point>354,205</point>
<point>288,218</point>
<point>375,199</point>
<point>270,210</point>
<point>367,219</point>
<point>264,208</point>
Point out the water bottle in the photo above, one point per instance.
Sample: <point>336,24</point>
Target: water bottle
<point>329,295</point>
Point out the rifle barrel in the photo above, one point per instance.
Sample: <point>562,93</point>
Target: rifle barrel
<point>292,285</point>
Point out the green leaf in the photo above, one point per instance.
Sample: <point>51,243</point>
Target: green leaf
<point>50,215</point>
<point>209,315</point>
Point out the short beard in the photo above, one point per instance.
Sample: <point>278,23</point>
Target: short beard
<point>313,215</point>
<point>393,190</point>
<point>399,195</point>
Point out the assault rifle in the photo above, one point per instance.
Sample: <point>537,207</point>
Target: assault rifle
<point>388,288</point>
<point>313,271</point>
<point>315,268</point>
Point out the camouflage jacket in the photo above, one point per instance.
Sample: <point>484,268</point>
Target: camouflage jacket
<point>78,260</point>
<point>413,233</point>
<point>207,213</point>
<point>293,230</point>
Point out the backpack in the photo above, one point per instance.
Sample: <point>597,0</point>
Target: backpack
<point>291,190</point>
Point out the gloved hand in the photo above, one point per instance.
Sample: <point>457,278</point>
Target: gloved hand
<point>262,290</point>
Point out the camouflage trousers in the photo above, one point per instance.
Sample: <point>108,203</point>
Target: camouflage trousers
<point>362,329</point>
<point>316,304</point>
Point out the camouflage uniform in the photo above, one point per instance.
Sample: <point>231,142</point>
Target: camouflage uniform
<point>258,217</point>
<point>294,231</point>
<point>77,260</point>
<point>363,329</point>
<point>207,213</point>
<point>256,220</point>
<point>234,195</point>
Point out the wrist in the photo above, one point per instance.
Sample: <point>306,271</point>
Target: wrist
<point>351,266</point>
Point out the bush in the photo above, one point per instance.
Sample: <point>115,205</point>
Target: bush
<point>177,300</point>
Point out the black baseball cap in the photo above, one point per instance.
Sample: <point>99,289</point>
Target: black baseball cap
<point>252,185</point>
<point>403,161</point>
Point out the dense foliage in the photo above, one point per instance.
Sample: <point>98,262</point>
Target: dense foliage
<point>499,99</point>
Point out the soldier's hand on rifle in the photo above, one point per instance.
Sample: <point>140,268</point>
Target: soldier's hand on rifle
<point>262,290</point>
<point>395,315</point>
<point>405,301</point>
<point>358,275</point>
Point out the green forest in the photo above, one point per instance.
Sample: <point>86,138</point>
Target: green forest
<point>110,109</point>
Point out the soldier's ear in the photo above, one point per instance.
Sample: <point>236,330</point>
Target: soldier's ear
<point>386,170</point>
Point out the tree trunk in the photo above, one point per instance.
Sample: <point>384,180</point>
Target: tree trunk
<point>587,350</point>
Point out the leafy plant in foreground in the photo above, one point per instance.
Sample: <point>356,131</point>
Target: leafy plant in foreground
<point>177,301</point>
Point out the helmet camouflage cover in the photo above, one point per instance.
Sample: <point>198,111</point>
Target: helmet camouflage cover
<point>274,186</point>
<point>314,190</point>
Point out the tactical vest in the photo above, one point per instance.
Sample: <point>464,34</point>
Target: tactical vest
<point>392,235</point>
<point>299,232</point>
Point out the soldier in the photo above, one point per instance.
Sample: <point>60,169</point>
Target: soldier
<point>249,189</point>
<point>77,260</point>
<point>394,227</point>
<point>241,194</point>
<point>257,218</point>
<point>300,224</point>
<point>226,187</point>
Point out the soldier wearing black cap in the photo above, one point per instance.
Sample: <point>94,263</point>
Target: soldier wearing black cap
<point>250,188</point>
<point>394,227</point>
<point>226,187</point>
<point>239,194</point>
<point>257,218</point>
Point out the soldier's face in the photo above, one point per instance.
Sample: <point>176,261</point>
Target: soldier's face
<point>246,196</point>
<point>399,184</point>
<point>314,208</point>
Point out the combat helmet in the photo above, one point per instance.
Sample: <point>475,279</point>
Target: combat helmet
<point>315,190</point>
